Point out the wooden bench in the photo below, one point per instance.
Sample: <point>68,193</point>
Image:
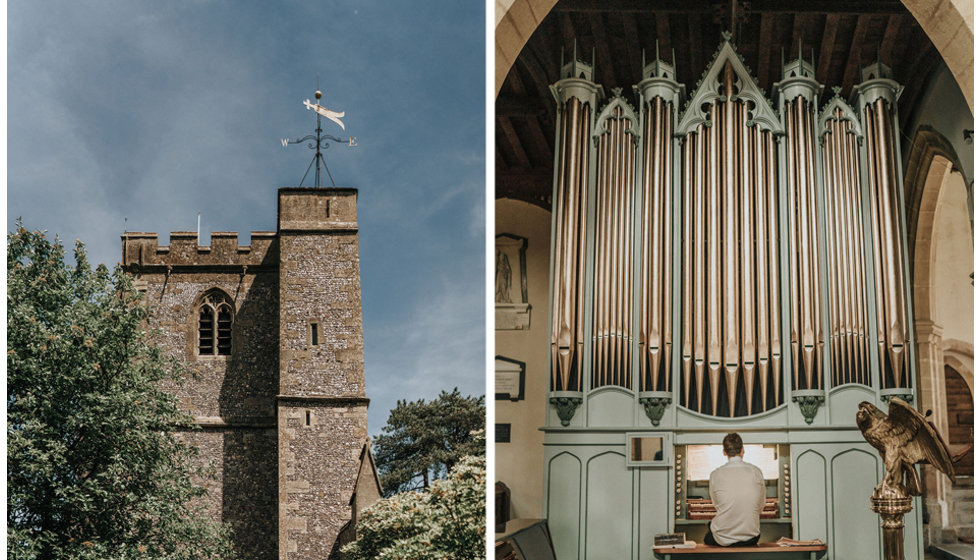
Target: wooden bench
<point>761,551</point>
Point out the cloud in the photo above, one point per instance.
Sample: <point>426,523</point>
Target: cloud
<point>437,345</point>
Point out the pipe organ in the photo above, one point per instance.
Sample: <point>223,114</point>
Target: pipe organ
<point>722,261</point>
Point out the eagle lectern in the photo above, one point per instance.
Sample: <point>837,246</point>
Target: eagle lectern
<point>903,438</point>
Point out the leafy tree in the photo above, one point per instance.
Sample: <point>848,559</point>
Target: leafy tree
<point>422,441</point>
<point>94,470</point>
<point>447,521</point>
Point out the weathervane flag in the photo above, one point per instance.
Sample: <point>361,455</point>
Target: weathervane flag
<point>332,115</point>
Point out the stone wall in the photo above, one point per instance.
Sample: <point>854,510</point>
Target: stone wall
<point>322,404</point>
<point>283,418</point>
<point>317,474</point>
<point>232,398</point>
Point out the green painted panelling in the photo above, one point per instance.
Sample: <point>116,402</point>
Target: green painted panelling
<point>564,504</point>
<point>611,406</point>
<point>811,518</point>
<point>608,508</point>
<point>843,401</point>
<point>654,512</point>
<point>854,474</point>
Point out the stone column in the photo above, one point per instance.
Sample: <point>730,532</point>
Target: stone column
<point>932,396</point>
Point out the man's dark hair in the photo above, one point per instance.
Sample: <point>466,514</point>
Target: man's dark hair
<point>732,444</point>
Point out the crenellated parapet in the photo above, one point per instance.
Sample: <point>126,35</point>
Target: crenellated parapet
<point>141,250</point>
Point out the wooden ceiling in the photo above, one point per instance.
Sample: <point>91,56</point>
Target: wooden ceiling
<point>842,35</point>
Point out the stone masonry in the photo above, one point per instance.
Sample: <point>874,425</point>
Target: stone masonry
<point>283,416</point>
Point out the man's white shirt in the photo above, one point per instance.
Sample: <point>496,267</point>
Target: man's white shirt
<point>738,492</point>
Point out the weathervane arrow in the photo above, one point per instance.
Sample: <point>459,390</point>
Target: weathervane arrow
<point>332,115</point>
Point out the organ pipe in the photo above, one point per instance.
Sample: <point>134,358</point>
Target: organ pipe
<point>567,330</point>
<point>612,324</point>
<point>806,328</point>
<point>730,323</point>
<point>655,326</point>
<point>731,228</point>
<point>845,248</point>
<point>893,344</point>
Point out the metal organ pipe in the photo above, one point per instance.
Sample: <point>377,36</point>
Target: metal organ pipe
<point>893,325</point>
<point>730,291</point>
<point>806,329</point>
<point>656,296</point>
<point>845,251</point>
<point>730,282</point>
<point>613,271</point>
<point>567,330</point>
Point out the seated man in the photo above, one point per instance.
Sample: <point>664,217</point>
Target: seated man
<point>738,492</point>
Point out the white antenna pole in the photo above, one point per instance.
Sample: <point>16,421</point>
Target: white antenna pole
<point>198,228</point>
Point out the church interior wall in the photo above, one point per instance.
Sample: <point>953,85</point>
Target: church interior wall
<point>954,250</point>
<point>520,463</point>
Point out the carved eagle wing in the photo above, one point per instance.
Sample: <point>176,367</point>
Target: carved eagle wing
<point>920,441</point>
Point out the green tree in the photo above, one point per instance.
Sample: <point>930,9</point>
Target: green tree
<point>447,521</point>
<point>422,441</point>
<point>94,470</point>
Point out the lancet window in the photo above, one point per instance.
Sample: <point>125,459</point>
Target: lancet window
<point>215,317</point>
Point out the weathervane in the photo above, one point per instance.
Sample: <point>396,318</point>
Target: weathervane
<point>319,141</point>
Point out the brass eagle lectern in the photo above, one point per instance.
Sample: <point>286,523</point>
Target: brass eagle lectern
<point>903,438</point>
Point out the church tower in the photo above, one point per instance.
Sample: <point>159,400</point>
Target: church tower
<point>321,405</point>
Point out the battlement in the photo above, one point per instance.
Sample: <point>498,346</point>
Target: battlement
<point>142,249</point>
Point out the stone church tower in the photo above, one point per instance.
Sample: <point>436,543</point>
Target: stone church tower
<point>272,334</point>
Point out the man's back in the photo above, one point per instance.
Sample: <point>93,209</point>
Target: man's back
<point>738,492</point>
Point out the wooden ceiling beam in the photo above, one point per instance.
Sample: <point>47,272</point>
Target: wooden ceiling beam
<point>852,70</point>
<point>604,60</point>
<point>533,186</point>
<point>633,49</point>
<point>827,47</point>
<point>504,125</point>
<point>888,41</point>
<point>567,34</point>
<point>663,33</point>
<point>694,36</point>
<point>539,76</point>
<point>539,144</point>
<point>519,106</point>
<point>852,7</point>
<point>765,49</point>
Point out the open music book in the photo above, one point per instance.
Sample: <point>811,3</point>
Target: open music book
<point>783,541</point>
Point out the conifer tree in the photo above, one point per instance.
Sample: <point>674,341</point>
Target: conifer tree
<point>422,441</point>
<point>94,468</point>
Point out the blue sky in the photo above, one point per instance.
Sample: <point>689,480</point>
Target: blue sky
<point>138,115</point>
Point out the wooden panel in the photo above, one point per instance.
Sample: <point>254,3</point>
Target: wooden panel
<point>856,536</point>
<point>610,407</point>
<point>810,503</point>
<point>564,503</point>
<point>655,500</point>
<point>609,508</point>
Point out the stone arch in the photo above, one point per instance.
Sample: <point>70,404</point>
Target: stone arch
<point>942,20</point>
<point>958,355</point>
<point>931,161</point>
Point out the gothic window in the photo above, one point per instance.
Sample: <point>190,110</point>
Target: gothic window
<point>214,325</point>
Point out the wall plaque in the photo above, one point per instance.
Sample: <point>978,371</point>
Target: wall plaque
<point>508,379</point>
